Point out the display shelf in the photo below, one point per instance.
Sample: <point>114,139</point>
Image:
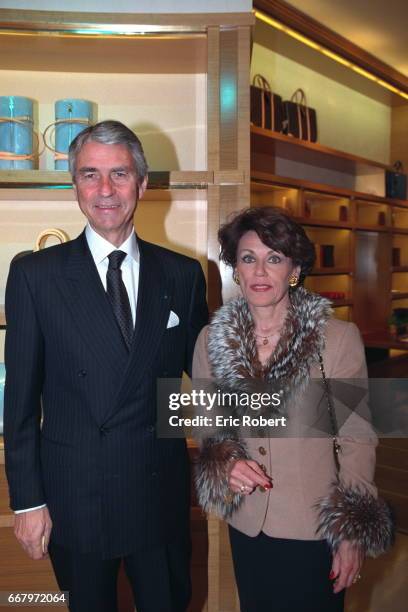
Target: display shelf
<point>339,303</point>
<point>372,228</point>
<point>261,179</point>
<point>399,295</point>
<point>383,339</point>
<point>157,179</point>
<point>323,223</point>
<point>174,179</point>
<point>362,246</point>
<point>330,271</point>
<point>312,153</point>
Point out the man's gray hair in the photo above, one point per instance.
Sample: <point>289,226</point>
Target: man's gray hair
<point>109,132</point>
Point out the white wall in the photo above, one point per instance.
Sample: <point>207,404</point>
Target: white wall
<point>351,116</point>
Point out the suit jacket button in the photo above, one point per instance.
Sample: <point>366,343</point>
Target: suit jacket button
<point>262,450</point>
<point>82,373</point>
<point>151,429</point>
<point>103,430</point>
<point>154,474</point>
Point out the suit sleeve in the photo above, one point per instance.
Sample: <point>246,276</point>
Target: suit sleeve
<point>353,511</point>
<point>197,316</point>
<point>24,356</point>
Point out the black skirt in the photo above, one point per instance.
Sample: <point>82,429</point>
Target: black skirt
<point>279,575</point>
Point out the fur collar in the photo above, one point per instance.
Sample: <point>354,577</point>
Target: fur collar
<point>232,343</point>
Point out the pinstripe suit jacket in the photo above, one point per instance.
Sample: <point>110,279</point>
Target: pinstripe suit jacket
<point>110,484</point>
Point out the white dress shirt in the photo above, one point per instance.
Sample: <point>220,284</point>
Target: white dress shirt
<point>100,249</point>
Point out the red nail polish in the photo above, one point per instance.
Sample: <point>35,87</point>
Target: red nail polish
<point>269,486</point>
<point>331,575</point>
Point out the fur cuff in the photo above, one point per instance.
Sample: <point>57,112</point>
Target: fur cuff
<point>212,472</point>
<point>355,515</point>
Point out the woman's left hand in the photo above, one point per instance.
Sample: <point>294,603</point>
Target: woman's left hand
<point>346,566</point>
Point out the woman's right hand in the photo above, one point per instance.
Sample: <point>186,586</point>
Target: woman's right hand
<point>246,475</point>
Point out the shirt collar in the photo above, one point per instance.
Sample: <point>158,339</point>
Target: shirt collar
<point>101,248</point>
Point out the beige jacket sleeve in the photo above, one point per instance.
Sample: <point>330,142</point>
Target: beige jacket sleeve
<point>217,452</point>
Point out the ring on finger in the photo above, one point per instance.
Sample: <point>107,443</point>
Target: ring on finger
<point>357,578</point>
<point>243,488</point>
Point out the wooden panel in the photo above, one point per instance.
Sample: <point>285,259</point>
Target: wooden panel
<point>157,179</point>
<point>372,272</point>
<point>222,594</point>
<point>391,478</point>
<point>399,134</point>
<point>213,163</point>
<point>399,505</point>
<point>394,454</point>
<point>261,180</point>
<point>228,99</point>
<point>4,497</point>
<point>19,573</point>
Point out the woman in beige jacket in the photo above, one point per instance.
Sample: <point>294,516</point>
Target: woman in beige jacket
<point>300,525</point>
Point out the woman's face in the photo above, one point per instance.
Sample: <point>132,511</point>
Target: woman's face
<point>263,273</point>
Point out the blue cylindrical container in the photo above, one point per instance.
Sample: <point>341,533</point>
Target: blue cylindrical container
<point>16,137</point>
<point>79,115</point>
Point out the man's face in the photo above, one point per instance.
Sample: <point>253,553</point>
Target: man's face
<point>107,189</point>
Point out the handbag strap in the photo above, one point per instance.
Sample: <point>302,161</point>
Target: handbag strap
<point>260,81</point>
<point>299,97</point>
<point>332,413</point>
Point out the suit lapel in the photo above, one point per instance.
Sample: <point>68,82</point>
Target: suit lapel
<point>91,311</point>
<point>153,309</point>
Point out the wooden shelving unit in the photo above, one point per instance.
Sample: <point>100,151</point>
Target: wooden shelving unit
<point>174,179</point>
<point>361,227</point>
<point>313,153</point>
<point>163,75</point>
<point>330,271</point>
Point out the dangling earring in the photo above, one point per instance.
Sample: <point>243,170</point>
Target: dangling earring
<point>293,280</point>
<point>235,277</point>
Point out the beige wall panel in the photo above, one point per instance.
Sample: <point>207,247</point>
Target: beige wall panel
<point>180,225</point>
<point>348,119</point>
<point>167,111</point>
<point>177,225</point>
<point>21,222</point>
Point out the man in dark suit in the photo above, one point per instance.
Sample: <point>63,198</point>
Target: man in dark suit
<point>91,325</point>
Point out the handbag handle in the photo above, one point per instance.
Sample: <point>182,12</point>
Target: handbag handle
<point>42,238</point>
<point>398,167</point>
<point>332,413</point>
<point>260,81</point>
<point>299,97</point>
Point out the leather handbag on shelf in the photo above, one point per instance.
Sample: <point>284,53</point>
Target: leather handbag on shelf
<point>396,182</point>
<point>42,239</point>
<point>266,107</point>
<point>300,120</point>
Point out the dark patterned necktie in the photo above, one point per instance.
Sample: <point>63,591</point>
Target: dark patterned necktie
<point>118,296</point>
